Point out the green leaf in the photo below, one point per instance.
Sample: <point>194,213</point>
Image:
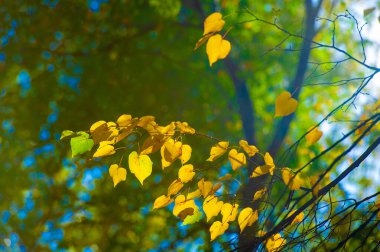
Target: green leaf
<point>81,143</point>
<point>368,11</point>
<point>191,219</point>
<point>66,133</point>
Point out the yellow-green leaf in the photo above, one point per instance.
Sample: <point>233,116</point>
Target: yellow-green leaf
<point>117,174</point>
<point>285,104</point>
<point>140,165</point>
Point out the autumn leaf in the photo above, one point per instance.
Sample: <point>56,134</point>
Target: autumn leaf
<point>251,150</point>
<point>140,165</point>
<point>217,228</point>
<point>259,194</point>
<point>247,217</point>
<point>117,174</point>
<point>229,212</point>
<point>213,23</point>
<point>285,104</point>
<point>316,187</point>
<point>274,243</point>
<point>218,150</point>
<point>294,182</point>
<point>124,120</point>
<point>313,136</point>
<point>186,173</point>
<point>170,151</point>
<point>185,153</point>
<point>299,218</point>
<point>217,48</point>
<point>162,201</point>
<point>104,149</point>
<point>181,203</point>
<point>194,194</point>
<point>211,206</point>
<point>237,159</point>
<point>175,187</point>
<point>184,128</point>
<point>264,169</point>
<point>205,187</point>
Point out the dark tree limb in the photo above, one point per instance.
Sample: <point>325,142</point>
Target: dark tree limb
<point>282,127</point>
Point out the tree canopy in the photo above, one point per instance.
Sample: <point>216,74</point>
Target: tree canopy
<point>189,125</point>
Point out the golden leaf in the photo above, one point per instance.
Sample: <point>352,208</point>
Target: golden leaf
<point>229,212</point>
<point>285,104</point>
<point>259,194</point>
<point>211,206</point>
<point>140,165</point>
<point>217,228</point>
<point>186,173</point>
<point>185,153</point>
<point>117,174</point>
<point>247,217</point>
<point>294,182</point>
<point>274,243</point>
<point>251,150</point>
<point>237,159</point>
<point>180,204</point>
<point>213,23</point>
<point>162,201</point>
<point>218,150</point>
<point>175,187</point>
<point>313,136</point>
<point>217,48</point>
<point>104,150</point>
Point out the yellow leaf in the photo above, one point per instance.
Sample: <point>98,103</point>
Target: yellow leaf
<point>124,120</point>
<point>251,150</point>
<point>170,151</point>
<point>217,48</point>
<point>237,159</point>
<point>140,165</point>
<point>247,217</point>
<point>180,204</point>
<point>96,125</point>
<point>229,212</point>
<point>313,136</point>
<point>213,23</point>
<point>314,180</point>
<point>185,153</point>
<point>218,150</point>
<point>186,173</point>
<point>294,182</point>
<point>175,187</point>
<point>162,201</point>
<point>117,174</point>
<point>145,120</point>
<point>205,187</point>
<point>152,144</point>
<point>211,206</point>
<point>104,150</point>
<point>259,194</point>
<point>184,128</point>
<point>100,131</point>
<point>299,218</point>
<point>268,160</point>
<point>217,228</point>
<point>285,104</point>
<point>274,243</point>
<point>193,195</point>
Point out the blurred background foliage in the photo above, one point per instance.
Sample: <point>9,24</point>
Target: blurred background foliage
<point>67,64</point>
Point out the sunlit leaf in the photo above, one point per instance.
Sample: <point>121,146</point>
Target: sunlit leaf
<point>299,218</point>
<point>186,173</point>
<point>211,206</point>
<point>213,23</point>
<point>104,149</point>
<point>294,182</point>
<point>140,165</point>
<point>191,219</point>
<point>162,201</point>
<point>217,228</point>
<point>251,150</point>
<point>175,187</point>
<point>217,48</point>
<point>117,174</point>
<point>259,194</point>
<point>218,150</point>
<point>185,153</point>
<point>285,104</point>
<point>237,159</point>
<point>274,243</point>
<point>247,217</point>
<point>81,144</point>
<point>229,212</point>
<point>313,136</point>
